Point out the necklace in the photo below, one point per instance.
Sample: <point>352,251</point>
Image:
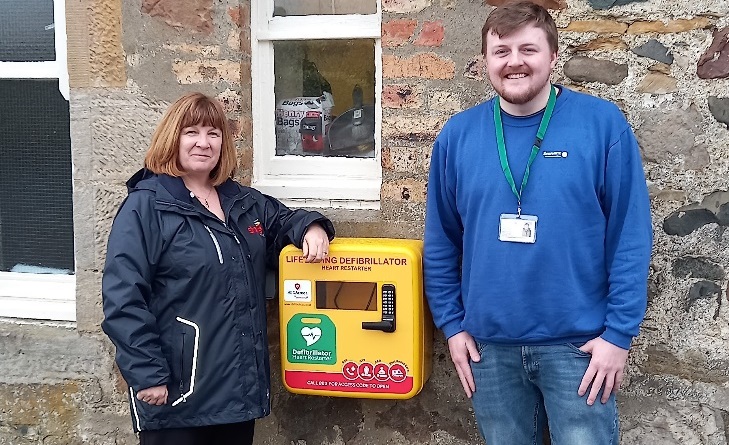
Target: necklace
<point>205,199</point>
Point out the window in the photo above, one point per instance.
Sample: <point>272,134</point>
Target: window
<point>317,75</point>
<point>36,215</point>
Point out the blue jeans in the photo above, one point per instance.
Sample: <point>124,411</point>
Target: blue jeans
<point>519,387</point>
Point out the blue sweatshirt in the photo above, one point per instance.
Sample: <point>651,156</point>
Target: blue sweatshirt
<point>586,274</point>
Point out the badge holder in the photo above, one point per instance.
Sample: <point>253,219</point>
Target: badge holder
<point>518,228</point>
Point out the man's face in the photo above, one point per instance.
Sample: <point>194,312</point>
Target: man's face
<point>519,64</point>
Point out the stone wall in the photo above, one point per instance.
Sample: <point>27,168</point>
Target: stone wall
<point>664,62</point>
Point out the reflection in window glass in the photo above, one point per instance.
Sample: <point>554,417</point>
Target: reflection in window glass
<point>36,216</point>
<point>325,94</point>
<point>323,7</point>
<point>27,31</point>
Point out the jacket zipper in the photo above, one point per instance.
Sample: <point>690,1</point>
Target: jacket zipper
<point>244,256</point>
<point>217,245</point>
<point>245,277</point>
<point>182,364</point>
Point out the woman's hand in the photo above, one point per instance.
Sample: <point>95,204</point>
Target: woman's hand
<point>316,243</point>
<point>156,395</point>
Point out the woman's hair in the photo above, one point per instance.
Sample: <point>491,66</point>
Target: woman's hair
<point>515,15</point>
<point>191,109</point>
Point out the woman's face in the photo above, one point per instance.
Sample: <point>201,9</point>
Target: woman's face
<point>199,149</point>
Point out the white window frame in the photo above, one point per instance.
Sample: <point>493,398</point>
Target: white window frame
<point>310,180</point>
<point>41,296</point>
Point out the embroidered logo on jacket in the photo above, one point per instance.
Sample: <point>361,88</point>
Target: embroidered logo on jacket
<point>555,154</point>
<point>256,228</point>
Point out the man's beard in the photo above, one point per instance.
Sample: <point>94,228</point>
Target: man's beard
<point>519,96</point>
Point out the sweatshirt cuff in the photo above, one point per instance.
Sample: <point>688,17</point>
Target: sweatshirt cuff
<point>618,339</point>
<point>452,328</point>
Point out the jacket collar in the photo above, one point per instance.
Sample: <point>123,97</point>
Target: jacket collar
<point>171,193</point>
<point>176,187</point>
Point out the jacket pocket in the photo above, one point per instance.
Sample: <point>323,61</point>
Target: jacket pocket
<point>189,342</point>
<point>144,415</point>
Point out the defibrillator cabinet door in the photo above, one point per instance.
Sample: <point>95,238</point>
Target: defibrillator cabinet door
<point>355,324</point>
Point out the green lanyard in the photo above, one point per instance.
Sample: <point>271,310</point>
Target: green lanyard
<point>535,148</point>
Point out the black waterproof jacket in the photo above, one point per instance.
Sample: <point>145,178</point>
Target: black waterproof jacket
<point>183,296</point>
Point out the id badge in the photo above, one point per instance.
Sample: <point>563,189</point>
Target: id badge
<point>518,229</point>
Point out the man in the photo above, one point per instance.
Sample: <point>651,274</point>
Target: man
<point>537,244</point>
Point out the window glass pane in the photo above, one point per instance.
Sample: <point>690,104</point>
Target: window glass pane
<point>325,94</point>
<point>36,219</point>
<point>349,295</point>
<point>27,31</point>
<point>323,7</point>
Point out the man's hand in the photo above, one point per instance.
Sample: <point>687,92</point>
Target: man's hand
<point>463,350</point>
<point>606,369</point>
<point>156,395</point>
<point>316,243</point>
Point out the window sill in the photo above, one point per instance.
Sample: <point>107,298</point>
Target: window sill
<point>340,193</point>
<point>36,296</point>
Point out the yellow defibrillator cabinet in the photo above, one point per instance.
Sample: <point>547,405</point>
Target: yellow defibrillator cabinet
<point>357,324</point>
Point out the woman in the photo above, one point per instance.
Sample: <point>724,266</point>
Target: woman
<point>183,285</point>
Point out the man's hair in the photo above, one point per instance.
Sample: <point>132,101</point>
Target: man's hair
<point>514,15</point>
<point>191,109</point>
